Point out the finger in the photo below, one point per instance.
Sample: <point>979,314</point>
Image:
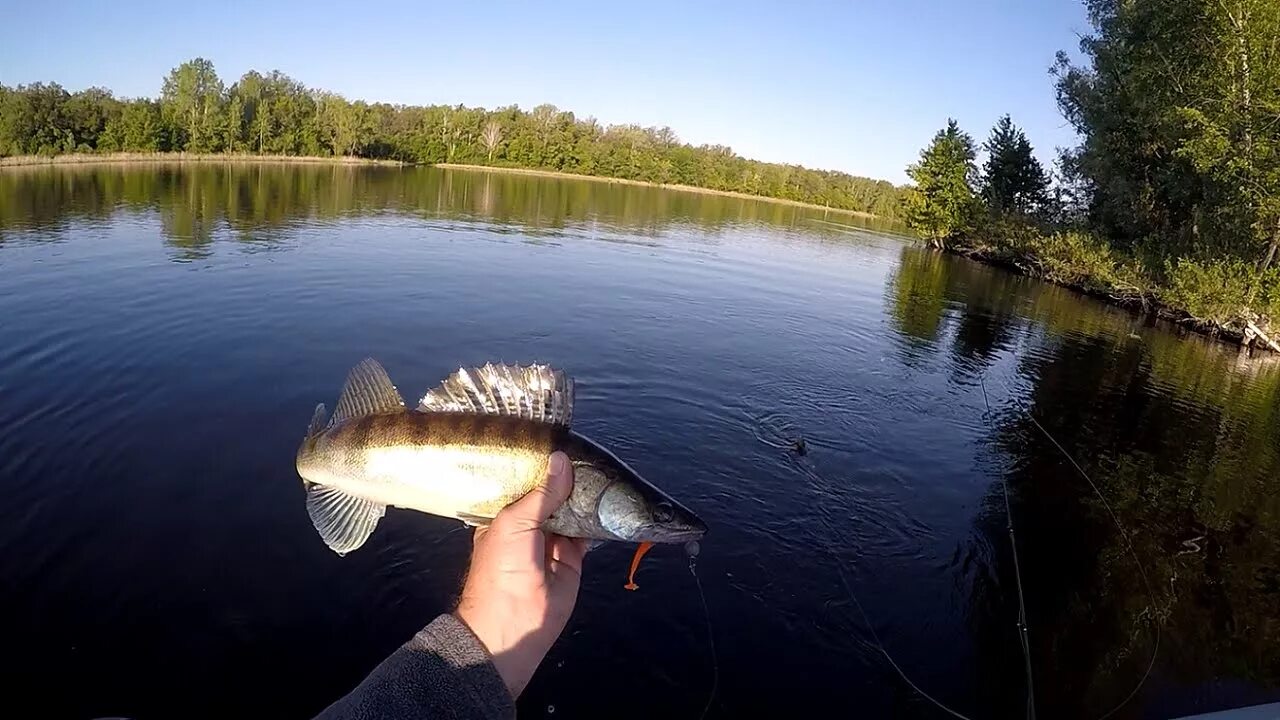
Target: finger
<point>566,553</point>
<point>531,510</point>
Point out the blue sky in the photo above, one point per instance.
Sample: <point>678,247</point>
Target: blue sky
<point>857,86</point>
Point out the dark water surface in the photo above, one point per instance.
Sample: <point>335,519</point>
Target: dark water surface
<point>166,332</point>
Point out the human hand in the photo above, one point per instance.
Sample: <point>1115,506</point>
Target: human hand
<point>523,581</point>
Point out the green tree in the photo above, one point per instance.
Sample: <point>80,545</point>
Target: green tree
<point>338,122</point>
<point>34,119</point>
<point>231,125</point>
<point>87,114</point>
<point>251,91</point>
<point>275,114</point>
<point>136,127</point>
<point>190,100</point>
<point>942,203</point>
<point>1177,108</point>
<point>14,123</point>
<point>1013,180</point>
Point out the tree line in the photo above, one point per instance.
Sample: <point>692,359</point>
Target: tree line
<point>256,203</point>
<point>1173,193</point>
<point>274,114</point>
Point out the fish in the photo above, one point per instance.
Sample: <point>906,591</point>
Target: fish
<point>476,443</point>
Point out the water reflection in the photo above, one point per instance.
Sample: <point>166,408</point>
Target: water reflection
<point>1182,437</point>
<point>749,327</point>
<point>261,202</point>
<point>917,301</point>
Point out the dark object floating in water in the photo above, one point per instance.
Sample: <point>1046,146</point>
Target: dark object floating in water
<point>799,447</point>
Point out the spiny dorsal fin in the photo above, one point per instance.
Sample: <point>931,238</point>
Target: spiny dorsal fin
<point>318,421</point>
<point>533,392</point>
<point>368,392</point>
<point>343,521</point>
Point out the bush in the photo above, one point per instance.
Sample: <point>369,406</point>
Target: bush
<point>1079,259</point>
<point>1225,292</point>
<point>1067,257</point>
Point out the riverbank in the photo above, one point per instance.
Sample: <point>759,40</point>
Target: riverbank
<point>1226,300</point>
<point>644,183</point>
<point>168,157</point>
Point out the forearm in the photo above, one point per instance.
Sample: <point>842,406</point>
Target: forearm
<point>442,673</point>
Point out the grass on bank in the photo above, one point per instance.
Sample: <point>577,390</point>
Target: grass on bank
<point>534,172</point>
<point>1218,296</point>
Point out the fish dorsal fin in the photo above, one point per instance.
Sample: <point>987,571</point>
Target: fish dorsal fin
<point>533,392</point>
<point>343,521</point>
<point>318,421</point>
<point>368,392</point>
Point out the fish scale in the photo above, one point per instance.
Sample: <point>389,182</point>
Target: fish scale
<point>475,444</point>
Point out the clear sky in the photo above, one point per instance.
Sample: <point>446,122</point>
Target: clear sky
<point>859,85</point>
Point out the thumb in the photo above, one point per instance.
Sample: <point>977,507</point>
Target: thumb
<point>535,507</point>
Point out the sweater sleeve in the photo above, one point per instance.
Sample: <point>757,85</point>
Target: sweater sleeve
<point>442,673</point>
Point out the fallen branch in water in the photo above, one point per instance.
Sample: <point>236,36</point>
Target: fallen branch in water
<point>1253,333</point>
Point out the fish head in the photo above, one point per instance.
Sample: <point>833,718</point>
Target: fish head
<point>625,505</point>
<point>638,512</point>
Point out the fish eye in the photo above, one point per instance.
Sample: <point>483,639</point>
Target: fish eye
<point>663,512</point>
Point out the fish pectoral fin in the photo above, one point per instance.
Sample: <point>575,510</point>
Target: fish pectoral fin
<point>344,521</point>
<point>474,520</point>
<point>533,392</point>
<point>368,392</point>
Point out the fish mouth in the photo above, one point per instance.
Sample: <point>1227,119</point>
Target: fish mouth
<point>685,530</point>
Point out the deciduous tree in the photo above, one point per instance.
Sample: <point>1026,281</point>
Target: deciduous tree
<point>190,100</point>
<point>491,136</point>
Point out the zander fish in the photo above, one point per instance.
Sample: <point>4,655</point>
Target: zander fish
<point>475,444</point>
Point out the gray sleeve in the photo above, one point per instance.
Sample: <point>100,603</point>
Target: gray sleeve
<point>443,673</point>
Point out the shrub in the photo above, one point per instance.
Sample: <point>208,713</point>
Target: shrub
<point>1225,292</point>
<point>1067,257</point>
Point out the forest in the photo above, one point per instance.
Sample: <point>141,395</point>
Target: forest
<point>1171,200</point>
<point>274,114</point>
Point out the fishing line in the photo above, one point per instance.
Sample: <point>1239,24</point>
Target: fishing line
<point>876,636</point>
<point>1155,651</point>
<point>711,637</point>
<point>1022,612</point>
<point>1017,573</point>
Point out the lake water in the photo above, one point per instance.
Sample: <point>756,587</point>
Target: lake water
<point>166,331</point>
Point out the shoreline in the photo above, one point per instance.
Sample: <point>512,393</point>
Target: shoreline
<point>533,172</point>
<point>1144,304</point>
<point>27,161</point>
<point>121,158</point>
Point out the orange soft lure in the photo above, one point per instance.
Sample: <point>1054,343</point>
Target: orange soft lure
<point>635,564</point>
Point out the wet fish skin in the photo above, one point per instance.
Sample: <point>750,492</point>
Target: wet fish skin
<point>451,464</point>
<point>469,466</point>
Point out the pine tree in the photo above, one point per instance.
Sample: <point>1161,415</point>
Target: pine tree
<point>943,204</point>
<point>1013,180</point>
